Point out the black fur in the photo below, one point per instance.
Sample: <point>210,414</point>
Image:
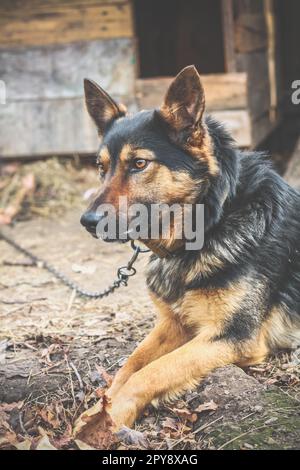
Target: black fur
<point>254,232</point>
<point>252,224</point>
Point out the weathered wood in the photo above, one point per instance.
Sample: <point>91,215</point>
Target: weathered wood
<point>292,174</point>
<point>238,124</point>
<point>45,107</point>
<point>222,91</point>
<point>271,34</point>
<point>46,4</point>
<point>64,22</point>
<point>228,35</point>
<point>258,84</point>
<point>46,127</point>
<point>56,71</point>
<point>250,32</point>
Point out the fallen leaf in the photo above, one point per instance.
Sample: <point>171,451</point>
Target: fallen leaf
<point>170,423</point>
<point>50,417</point>
<point>185,413</point>
<point>8,438</point>
<point>83,446</point>
<point>208,406</point>
<point>45,444</point>
<point>11,406</point>
<point>132,437</point>
<point>105,375</point>
<point>94,426</point>
<point>24,445</point>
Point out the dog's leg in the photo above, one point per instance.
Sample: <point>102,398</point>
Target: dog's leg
<point>169,376</point>
<point>166,336</point>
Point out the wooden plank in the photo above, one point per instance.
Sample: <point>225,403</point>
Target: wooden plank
<point>45,128</point>
<point>228,36</point>
<point>57,71</point>
<point>64,23</point>
<point>258,84</point>
<point>47,4</point>
<point>250,32</point>
<point>271,33</point>
<point>62,126</point>
<point>222,91</point>
<point>292,175</point>
<point>261,128</point>
<point>44,107</point>
<point>238,124</point>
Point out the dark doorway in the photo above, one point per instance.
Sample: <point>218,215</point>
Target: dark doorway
<point>174,33</point>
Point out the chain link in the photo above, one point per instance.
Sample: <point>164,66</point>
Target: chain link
<point>123,273</point>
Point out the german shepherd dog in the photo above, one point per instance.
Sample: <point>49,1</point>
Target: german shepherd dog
<point>237,299</point>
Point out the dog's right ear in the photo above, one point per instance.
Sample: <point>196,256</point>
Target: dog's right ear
<point>184,103</point>
<point>101,107</point>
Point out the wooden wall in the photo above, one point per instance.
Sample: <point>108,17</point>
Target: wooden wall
<point>254,56</point>
<point>47,48</point>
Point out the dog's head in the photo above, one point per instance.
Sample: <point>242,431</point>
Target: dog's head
<point>161,156</point>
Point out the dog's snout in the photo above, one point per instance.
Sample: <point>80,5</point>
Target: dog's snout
<point>90,219</point>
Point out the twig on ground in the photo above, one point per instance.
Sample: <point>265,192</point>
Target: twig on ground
<point>77,375</point>
<point>201,428</point>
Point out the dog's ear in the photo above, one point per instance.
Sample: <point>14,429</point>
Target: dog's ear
<point>184,102</point>
<point>101,107</point>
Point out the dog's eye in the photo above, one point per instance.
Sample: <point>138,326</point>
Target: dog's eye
<point>140,164</point>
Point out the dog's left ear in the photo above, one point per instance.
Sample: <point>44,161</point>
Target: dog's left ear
<point>101,107</point>
<point>184,102</point>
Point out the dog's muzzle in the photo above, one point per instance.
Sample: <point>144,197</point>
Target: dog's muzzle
<point>90,220</point>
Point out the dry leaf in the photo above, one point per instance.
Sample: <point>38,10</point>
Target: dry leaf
<point>83,446</point>
<point>208,406</point>
<point>94,426</point>
<point>45,444</point>
<point>105,375</point>
<point>11,406</point>
<point>170,423</point>
<point>186,414</point>
<point>24,445</point>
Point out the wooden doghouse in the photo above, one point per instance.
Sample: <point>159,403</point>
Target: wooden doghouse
<point>132,48</point>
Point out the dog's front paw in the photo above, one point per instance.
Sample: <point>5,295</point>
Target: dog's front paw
<point>123,412</point>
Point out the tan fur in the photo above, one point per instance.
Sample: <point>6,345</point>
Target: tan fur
<point>104,157</point>
<point>206,311</point>
<point>279,331</point>
<point>181,350</point>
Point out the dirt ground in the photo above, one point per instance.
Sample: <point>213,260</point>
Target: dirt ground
<point>57,349</point>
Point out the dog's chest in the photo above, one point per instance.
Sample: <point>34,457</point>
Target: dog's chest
<point>166,278</point>
<point>199,309</point>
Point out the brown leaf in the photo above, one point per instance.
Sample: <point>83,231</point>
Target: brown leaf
<point>105,375</point>
<point>11,406</point>
<point>23,445</point>
<point>170,423</point>
<point>185,413</point>
<point>208,406</point>
<point>94,426</point>
<point>45,444</point>
<point>83,446</point>
<point>50,417</point>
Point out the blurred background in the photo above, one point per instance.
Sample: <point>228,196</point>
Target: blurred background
<point>246,51</point>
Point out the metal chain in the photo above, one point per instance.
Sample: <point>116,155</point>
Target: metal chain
<point>123,273</point>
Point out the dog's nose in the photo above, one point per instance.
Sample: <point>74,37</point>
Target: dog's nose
<point>90,220</point>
